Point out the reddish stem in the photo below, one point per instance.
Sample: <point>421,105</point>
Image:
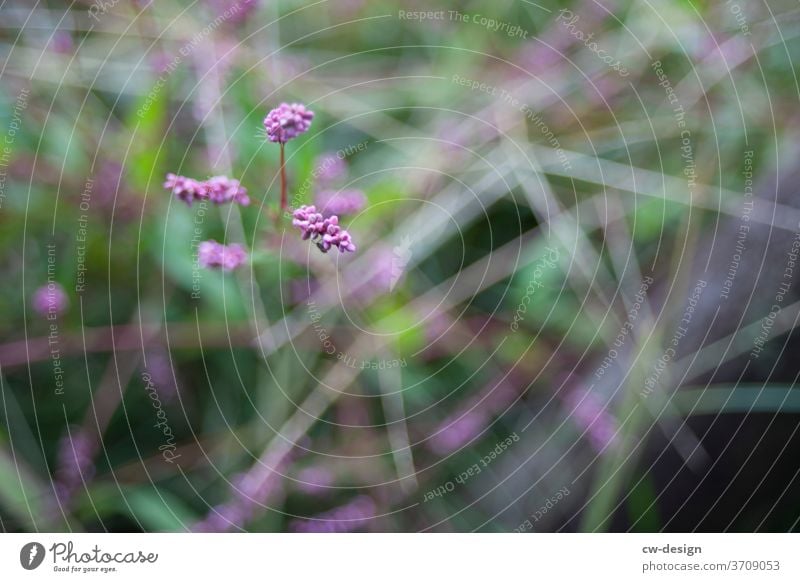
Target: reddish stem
<point>283,180</point>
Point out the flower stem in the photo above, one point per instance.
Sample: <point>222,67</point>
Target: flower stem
<point>283,180</point>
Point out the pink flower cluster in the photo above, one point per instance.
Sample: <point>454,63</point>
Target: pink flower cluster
<point>222,189</point>
<point>287,121</point>
<point>325,232</point>
<point>211,254</point>
<point>341,201</point>
<point>219,189</point>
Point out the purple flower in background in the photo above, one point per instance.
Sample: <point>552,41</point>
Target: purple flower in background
<point>212,254</point>
<point>159,61</point>
<point>162,374</point>
<point>325,232</point>
<point>470,420</point>
<point>589,413</point>
<point>222,189</point>
<point>61,42</point>
<point>458,432</point>
<point>251,491</point>
<point>50,299</point>
<point>314,480</point>
<point>332,202</point>
<point>344,518</point>
<point>287,121</point>
<point>330,168</point>
<point>74,464</point>
<point>219,189</point>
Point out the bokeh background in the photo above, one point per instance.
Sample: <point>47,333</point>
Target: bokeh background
<point>571,307</point>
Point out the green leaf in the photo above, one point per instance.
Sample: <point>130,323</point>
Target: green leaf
<point>159,510</point>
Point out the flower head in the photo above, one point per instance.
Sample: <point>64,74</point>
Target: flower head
<point>211,255</point>
<point>186,189</point>
<point>325,232</point>
<point>222,189</point>
<point>50,298</point>
<point>340,202</point>
<point>219,189</point>
<point>287,121</point>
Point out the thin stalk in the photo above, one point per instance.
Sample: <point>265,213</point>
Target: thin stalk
<point>284,197</point>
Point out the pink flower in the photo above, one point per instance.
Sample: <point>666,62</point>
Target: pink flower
<point>219,189</point>
<point>61,42</point>
<point>186,189</point>
<point>287,121</point>
<point>212,254</point>
<point>50,298</point>
<point>222,189</point>
<point>325,232</point>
